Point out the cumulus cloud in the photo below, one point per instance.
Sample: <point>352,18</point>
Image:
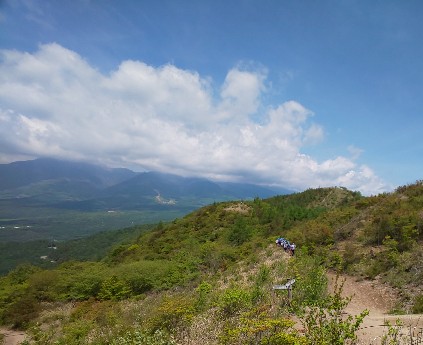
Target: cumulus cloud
<point>53,103</point>
<point>240,94</point>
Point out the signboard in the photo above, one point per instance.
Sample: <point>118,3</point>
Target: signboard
<point>286,286</point>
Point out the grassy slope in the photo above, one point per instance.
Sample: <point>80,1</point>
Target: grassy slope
<point>205,260</point>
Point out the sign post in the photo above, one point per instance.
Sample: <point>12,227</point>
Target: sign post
<point>287,286</point>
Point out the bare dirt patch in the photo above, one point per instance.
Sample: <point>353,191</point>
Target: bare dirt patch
<point>379,300</point>
<point>12,337</point>
<point>239,207</point>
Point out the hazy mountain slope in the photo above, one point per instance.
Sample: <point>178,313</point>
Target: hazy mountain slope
<point>47,198</point>
<point>18,174</point>
<point>150,184</point>
<point>52,190</point>
<point>83,181</point>
<point>247,191</point>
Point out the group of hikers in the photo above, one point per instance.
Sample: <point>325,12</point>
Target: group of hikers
<point>286,245</point>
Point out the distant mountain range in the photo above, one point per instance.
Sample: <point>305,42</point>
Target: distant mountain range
<point>48,187</point>
<point>85,186</point>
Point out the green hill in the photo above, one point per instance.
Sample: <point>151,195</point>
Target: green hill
<point>207,277</point>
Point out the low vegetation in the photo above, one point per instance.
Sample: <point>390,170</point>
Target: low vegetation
<point>50,254</point>
<point>207,278</point>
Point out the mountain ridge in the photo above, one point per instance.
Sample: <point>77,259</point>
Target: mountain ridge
<point>78,198</point>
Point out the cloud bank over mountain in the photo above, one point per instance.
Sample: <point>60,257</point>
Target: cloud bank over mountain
<point>53,103</point>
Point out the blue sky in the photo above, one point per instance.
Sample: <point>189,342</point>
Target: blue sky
<point>293,93</point>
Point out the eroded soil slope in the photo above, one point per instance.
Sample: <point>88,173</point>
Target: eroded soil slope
<point>379,300</point>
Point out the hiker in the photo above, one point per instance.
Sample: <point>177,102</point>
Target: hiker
<point>292,248</point>
<point>286,245</point>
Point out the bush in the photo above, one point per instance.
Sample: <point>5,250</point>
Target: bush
<point>20,312</point>
<point>311,281</point>
<point>203,291</point>
<point>174,313</point>
<point>21,273</point>
<point>159,337</point>
<point>80,281</point>
<point>114,289</point>
<point>263,275</point>
<point>146,275</point>
<point>326,324</point>
<point>418,305</point>
<point>259,328</point>
<point>75,332</point>
<point>43,285</point>
<point>234,300</point>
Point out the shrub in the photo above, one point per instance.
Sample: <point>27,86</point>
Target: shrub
<point>174,313</point>
<point>263,275</point>
<point>80,281</point>
<point>326,324</point>
<point>43,285</point>
<point>234,300</point>
<point>20,312</point>
<point>203,291</point>
<point>75,332</point>
<point>21,273</point>
<point>114,289</point>
<point>259,328</point>
<point>159,337</point>
<point>311,281</point>
<point>146,275</point>
<point>418,305</point>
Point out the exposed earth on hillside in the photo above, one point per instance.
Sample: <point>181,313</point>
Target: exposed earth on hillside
<point>238,207</point>
<point>379,299</point>
<point>12,337</point>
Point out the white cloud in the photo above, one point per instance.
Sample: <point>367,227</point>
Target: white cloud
<point>240,94</point>
<point>354,151</point>
<point>53,103</point>
<point>314,134</point>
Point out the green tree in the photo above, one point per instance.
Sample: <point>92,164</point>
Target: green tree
<point>240,232</point>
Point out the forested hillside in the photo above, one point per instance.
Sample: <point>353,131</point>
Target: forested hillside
<point>207,278</point>
<point>50,254</point>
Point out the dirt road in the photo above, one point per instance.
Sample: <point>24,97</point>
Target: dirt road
<point>12,337</point>
<point>378,299</point>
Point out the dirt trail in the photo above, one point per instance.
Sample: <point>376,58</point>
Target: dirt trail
<point>378,299</point>
<point>12,337</point>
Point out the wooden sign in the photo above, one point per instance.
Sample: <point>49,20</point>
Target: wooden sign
<point>287,286</point>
